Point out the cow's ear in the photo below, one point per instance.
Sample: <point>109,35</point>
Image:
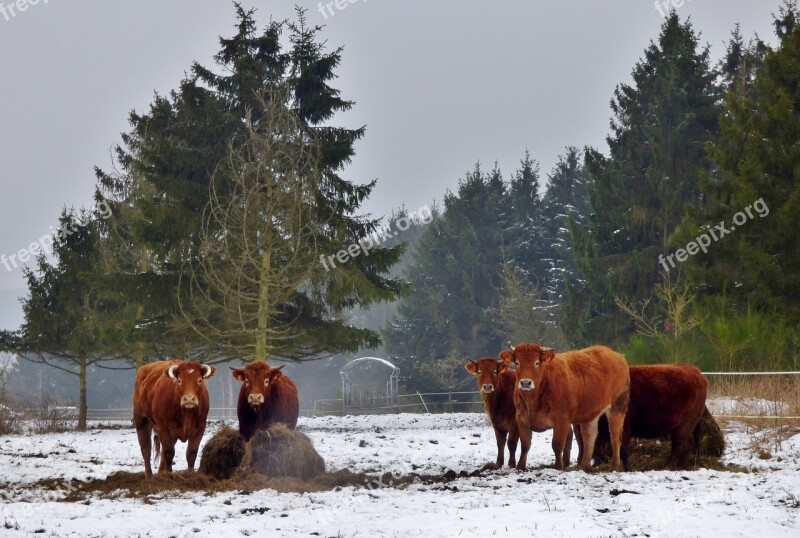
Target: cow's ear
<point>507,357</point>
<point>275,373</point>
<point>547,354</point>
<point>502,366</point>
<point>472,367</point>
<point>238,374</point>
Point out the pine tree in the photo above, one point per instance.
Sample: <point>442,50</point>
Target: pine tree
<point>758,178</point>
<point>566,201</point>
<point>455,281</point>
<point>172,153</point>
<point>639,192</point>
<point>68,319</point>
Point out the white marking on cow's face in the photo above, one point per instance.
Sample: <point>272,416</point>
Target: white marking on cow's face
<point>190,371</point>
<point>526,384</point>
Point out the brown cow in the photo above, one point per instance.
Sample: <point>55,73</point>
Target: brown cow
<point>496,384</point>
<point>665,400</point>
<point>267,396</point>
<point>576,387</point>
<point>170,401</point>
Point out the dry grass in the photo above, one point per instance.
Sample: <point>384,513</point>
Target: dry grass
<point>222,454</point>
<point>281,452</point>
<point>278,452</point>
<point>758,404</point>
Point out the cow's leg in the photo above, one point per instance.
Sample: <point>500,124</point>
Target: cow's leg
<point>616,421</point>
<point>679,453</point>
<point>144,430</point>
<point>567,454</point>
<point>191,449</point>
<point>525,442</point>
<point>578,437</point>
<point>589,434</point>
<point>513,439</point>
<point>561,431</point>
<point>500,437</point>
<point>624,449</point>
<point>167,453</point>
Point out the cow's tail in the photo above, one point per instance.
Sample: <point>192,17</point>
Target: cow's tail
<point>156,449</point>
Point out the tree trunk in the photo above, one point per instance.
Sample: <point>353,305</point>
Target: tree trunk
<point>263,305</point>
<point>83,408</point>
<point>138,354</point>
<point>138,349</point>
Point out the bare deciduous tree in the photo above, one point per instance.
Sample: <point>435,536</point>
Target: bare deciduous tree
<point>258,245</point>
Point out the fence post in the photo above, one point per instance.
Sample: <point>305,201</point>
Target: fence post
<point>423,403</point>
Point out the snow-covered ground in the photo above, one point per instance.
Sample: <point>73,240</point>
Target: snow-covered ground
<point>541,502</point>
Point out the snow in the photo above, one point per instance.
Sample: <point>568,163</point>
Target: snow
<point>538,502</point>
<point>746,406</point>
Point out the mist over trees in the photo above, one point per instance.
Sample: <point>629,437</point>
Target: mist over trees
<point>579,262</point>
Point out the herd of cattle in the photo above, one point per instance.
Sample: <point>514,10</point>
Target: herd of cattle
<point>592,392</point>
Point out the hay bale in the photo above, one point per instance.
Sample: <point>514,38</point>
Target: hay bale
<point>281,452</point>
<point>712,441</point>
<point>223,454</point>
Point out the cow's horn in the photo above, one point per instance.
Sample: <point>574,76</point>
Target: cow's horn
<point>511,347</point>
<point>278,368</point>
<point>172,370</point>
<point>206,370</point>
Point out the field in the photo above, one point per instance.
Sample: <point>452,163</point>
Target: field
<point>755,492</point>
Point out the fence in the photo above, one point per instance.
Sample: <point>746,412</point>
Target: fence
<point>737,395</point>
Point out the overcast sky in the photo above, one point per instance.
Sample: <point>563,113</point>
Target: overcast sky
<point>440,84</point>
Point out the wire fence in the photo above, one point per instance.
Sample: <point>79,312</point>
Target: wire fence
<point>734,395</point>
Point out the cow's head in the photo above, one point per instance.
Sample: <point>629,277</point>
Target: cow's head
<point>258,379</point>
<point>487,372</point>
<point>530,361</point>
<point>189,377</point>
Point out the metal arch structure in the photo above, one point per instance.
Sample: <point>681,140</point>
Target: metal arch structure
<point>358,396</point>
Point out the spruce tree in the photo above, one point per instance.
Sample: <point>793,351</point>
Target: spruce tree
<point>455,280</point>
<point>758,179</point>
<point>69,322</point>
<point>172,152</point>
<point>639,192</point>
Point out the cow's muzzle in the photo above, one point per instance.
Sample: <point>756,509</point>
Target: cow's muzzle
<point>189,401</point>
<point>526,384</point>
<point>255,399</point>
<point>487,388</point>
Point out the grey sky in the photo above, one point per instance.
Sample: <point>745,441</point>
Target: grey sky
<point>439,84</point>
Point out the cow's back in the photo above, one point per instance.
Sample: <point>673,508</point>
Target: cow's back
<point>283,405</point>
<point>594,379</point>
<point>146,389</point>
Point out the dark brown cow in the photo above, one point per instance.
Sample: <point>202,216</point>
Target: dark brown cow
<point>267,396</point>
<point>170,401</point>
<point>665,400</point>
<point>496,384</point>
<point>576,387</point>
